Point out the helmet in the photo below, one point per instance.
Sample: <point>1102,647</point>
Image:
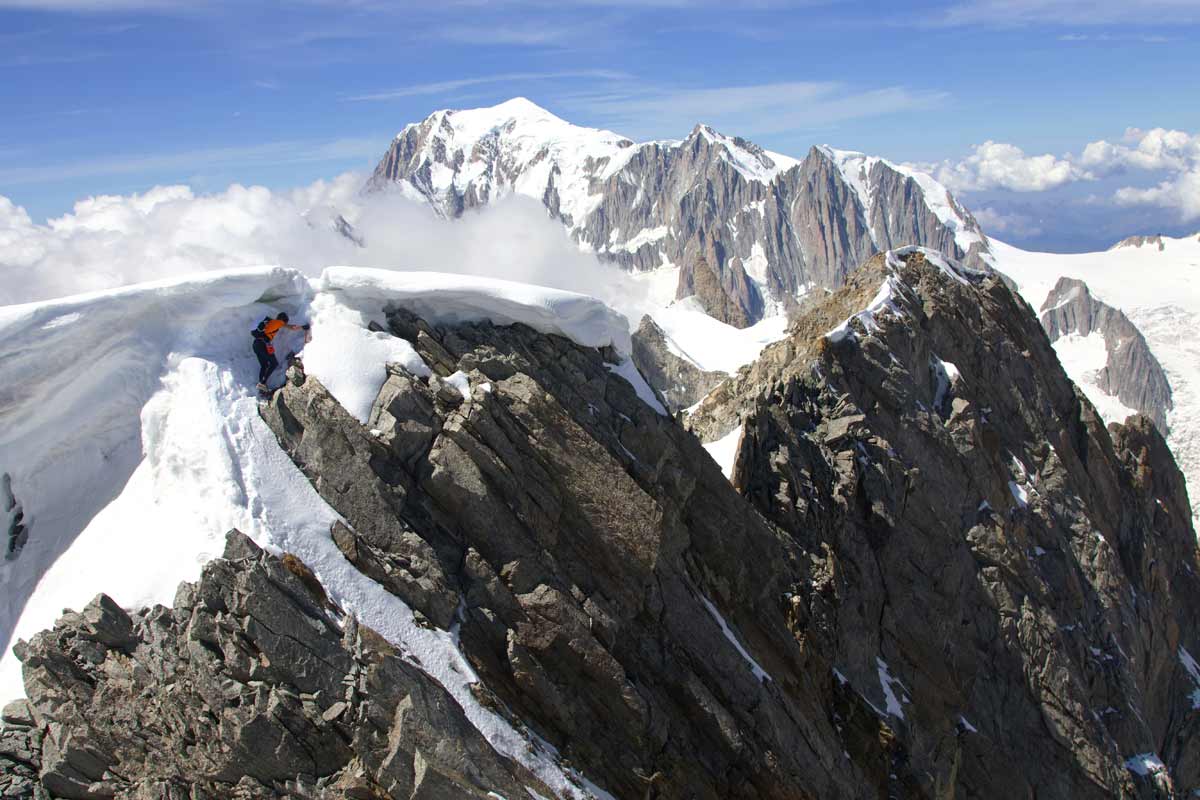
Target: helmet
<point>283,317</point>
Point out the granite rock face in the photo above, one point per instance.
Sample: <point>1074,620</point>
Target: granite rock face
<point>992,552</point>
<point>250,686</point>
<point>934,574</point>
<point>1131,371</point>
<point>594,549</point>
<point>749,231</point>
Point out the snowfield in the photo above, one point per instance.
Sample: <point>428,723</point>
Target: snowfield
<point>132,441</point>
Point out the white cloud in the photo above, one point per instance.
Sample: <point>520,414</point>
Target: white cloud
<point>1181,193</point>
<point>110,240</point>
<point>1155,149</point>
<point>996,165</point>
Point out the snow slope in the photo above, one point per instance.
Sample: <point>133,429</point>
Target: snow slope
<point>711,344</point>
<point>77,377</point>
<point>1159,290</point>
<point>133,442</point>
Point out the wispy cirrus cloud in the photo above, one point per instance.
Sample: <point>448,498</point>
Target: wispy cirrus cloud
<point>750,110</point>
<point>1112,37</point>
<point>10,38</point>
<point>745,5</point>
<point>267,153</point>
<point>104,6</point>
<point>1084,13</point>
<point>442,87</point>
<point>518,35</point>
<point>40,59</point>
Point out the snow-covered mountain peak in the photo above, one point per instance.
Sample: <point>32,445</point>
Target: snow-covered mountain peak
<point>752,161</point>
<point>479,121</point>
<point>487,153</point>
<point>766,226</point>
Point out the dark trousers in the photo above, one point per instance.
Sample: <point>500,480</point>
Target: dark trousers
<point>267,362</point>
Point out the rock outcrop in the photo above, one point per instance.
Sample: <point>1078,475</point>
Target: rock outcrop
<point>749,230</point>
<point>681,383</point>
<point>935,574</point>
<point>1131,372</point>
<point>1141,241</point>
<point>1003,574</point>
<point>250,686</point>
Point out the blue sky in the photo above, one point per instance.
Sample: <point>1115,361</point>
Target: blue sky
<point>115,96</point>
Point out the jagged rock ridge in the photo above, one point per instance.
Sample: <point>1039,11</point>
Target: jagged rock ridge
<point>1131,371</point>
<point>250,686</point>
<point>1024,565</point>
<point>749,230</point>
<point>1140,241</point>
<point>939,574</point>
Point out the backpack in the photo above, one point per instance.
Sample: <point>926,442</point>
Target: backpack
<point>259,333</point>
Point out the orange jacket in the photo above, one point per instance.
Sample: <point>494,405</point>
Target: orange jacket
<point>273,327</point>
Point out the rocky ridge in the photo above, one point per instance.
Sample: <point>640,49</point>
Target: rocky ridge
<point>252,685</point>
<point>1131,371</point>
<point>749,230</point>
<point>1141,241</point>
<point>940,437</point>
<point>935,574</point>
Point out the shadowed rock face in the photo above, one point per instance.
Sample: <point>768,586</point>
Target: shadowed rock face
<point>938,576</point>
<point>1008,558</point>
<point>1131,373</point>
<point>747,234</point>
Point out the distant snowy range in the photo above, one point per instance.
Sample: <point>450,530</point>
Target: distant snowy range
<point>714,224</point>
<point>709,240</point>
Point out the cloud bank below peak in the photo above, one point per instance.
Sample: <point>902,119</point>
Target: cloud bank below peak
<point>108,241</point>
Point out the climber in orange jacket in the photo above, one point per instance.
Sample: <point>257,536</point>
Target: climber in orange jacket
<point>263,335</point>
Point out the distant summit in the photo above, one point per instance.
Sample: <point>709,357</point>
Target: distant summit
<point>748,231</point>
<point>1140,241</point>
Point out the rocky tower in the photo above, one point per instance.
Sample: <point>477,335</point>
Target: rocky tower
<point>1131,371</point>
<point>938,576</point>
<point>749,230</point>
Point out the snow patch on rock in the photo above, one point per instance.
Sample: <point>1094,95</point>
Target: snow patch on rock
<point>758,671</point>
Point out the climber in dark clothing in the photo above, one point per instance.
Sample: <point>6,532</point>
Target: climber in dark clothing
<point>264,350</point>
